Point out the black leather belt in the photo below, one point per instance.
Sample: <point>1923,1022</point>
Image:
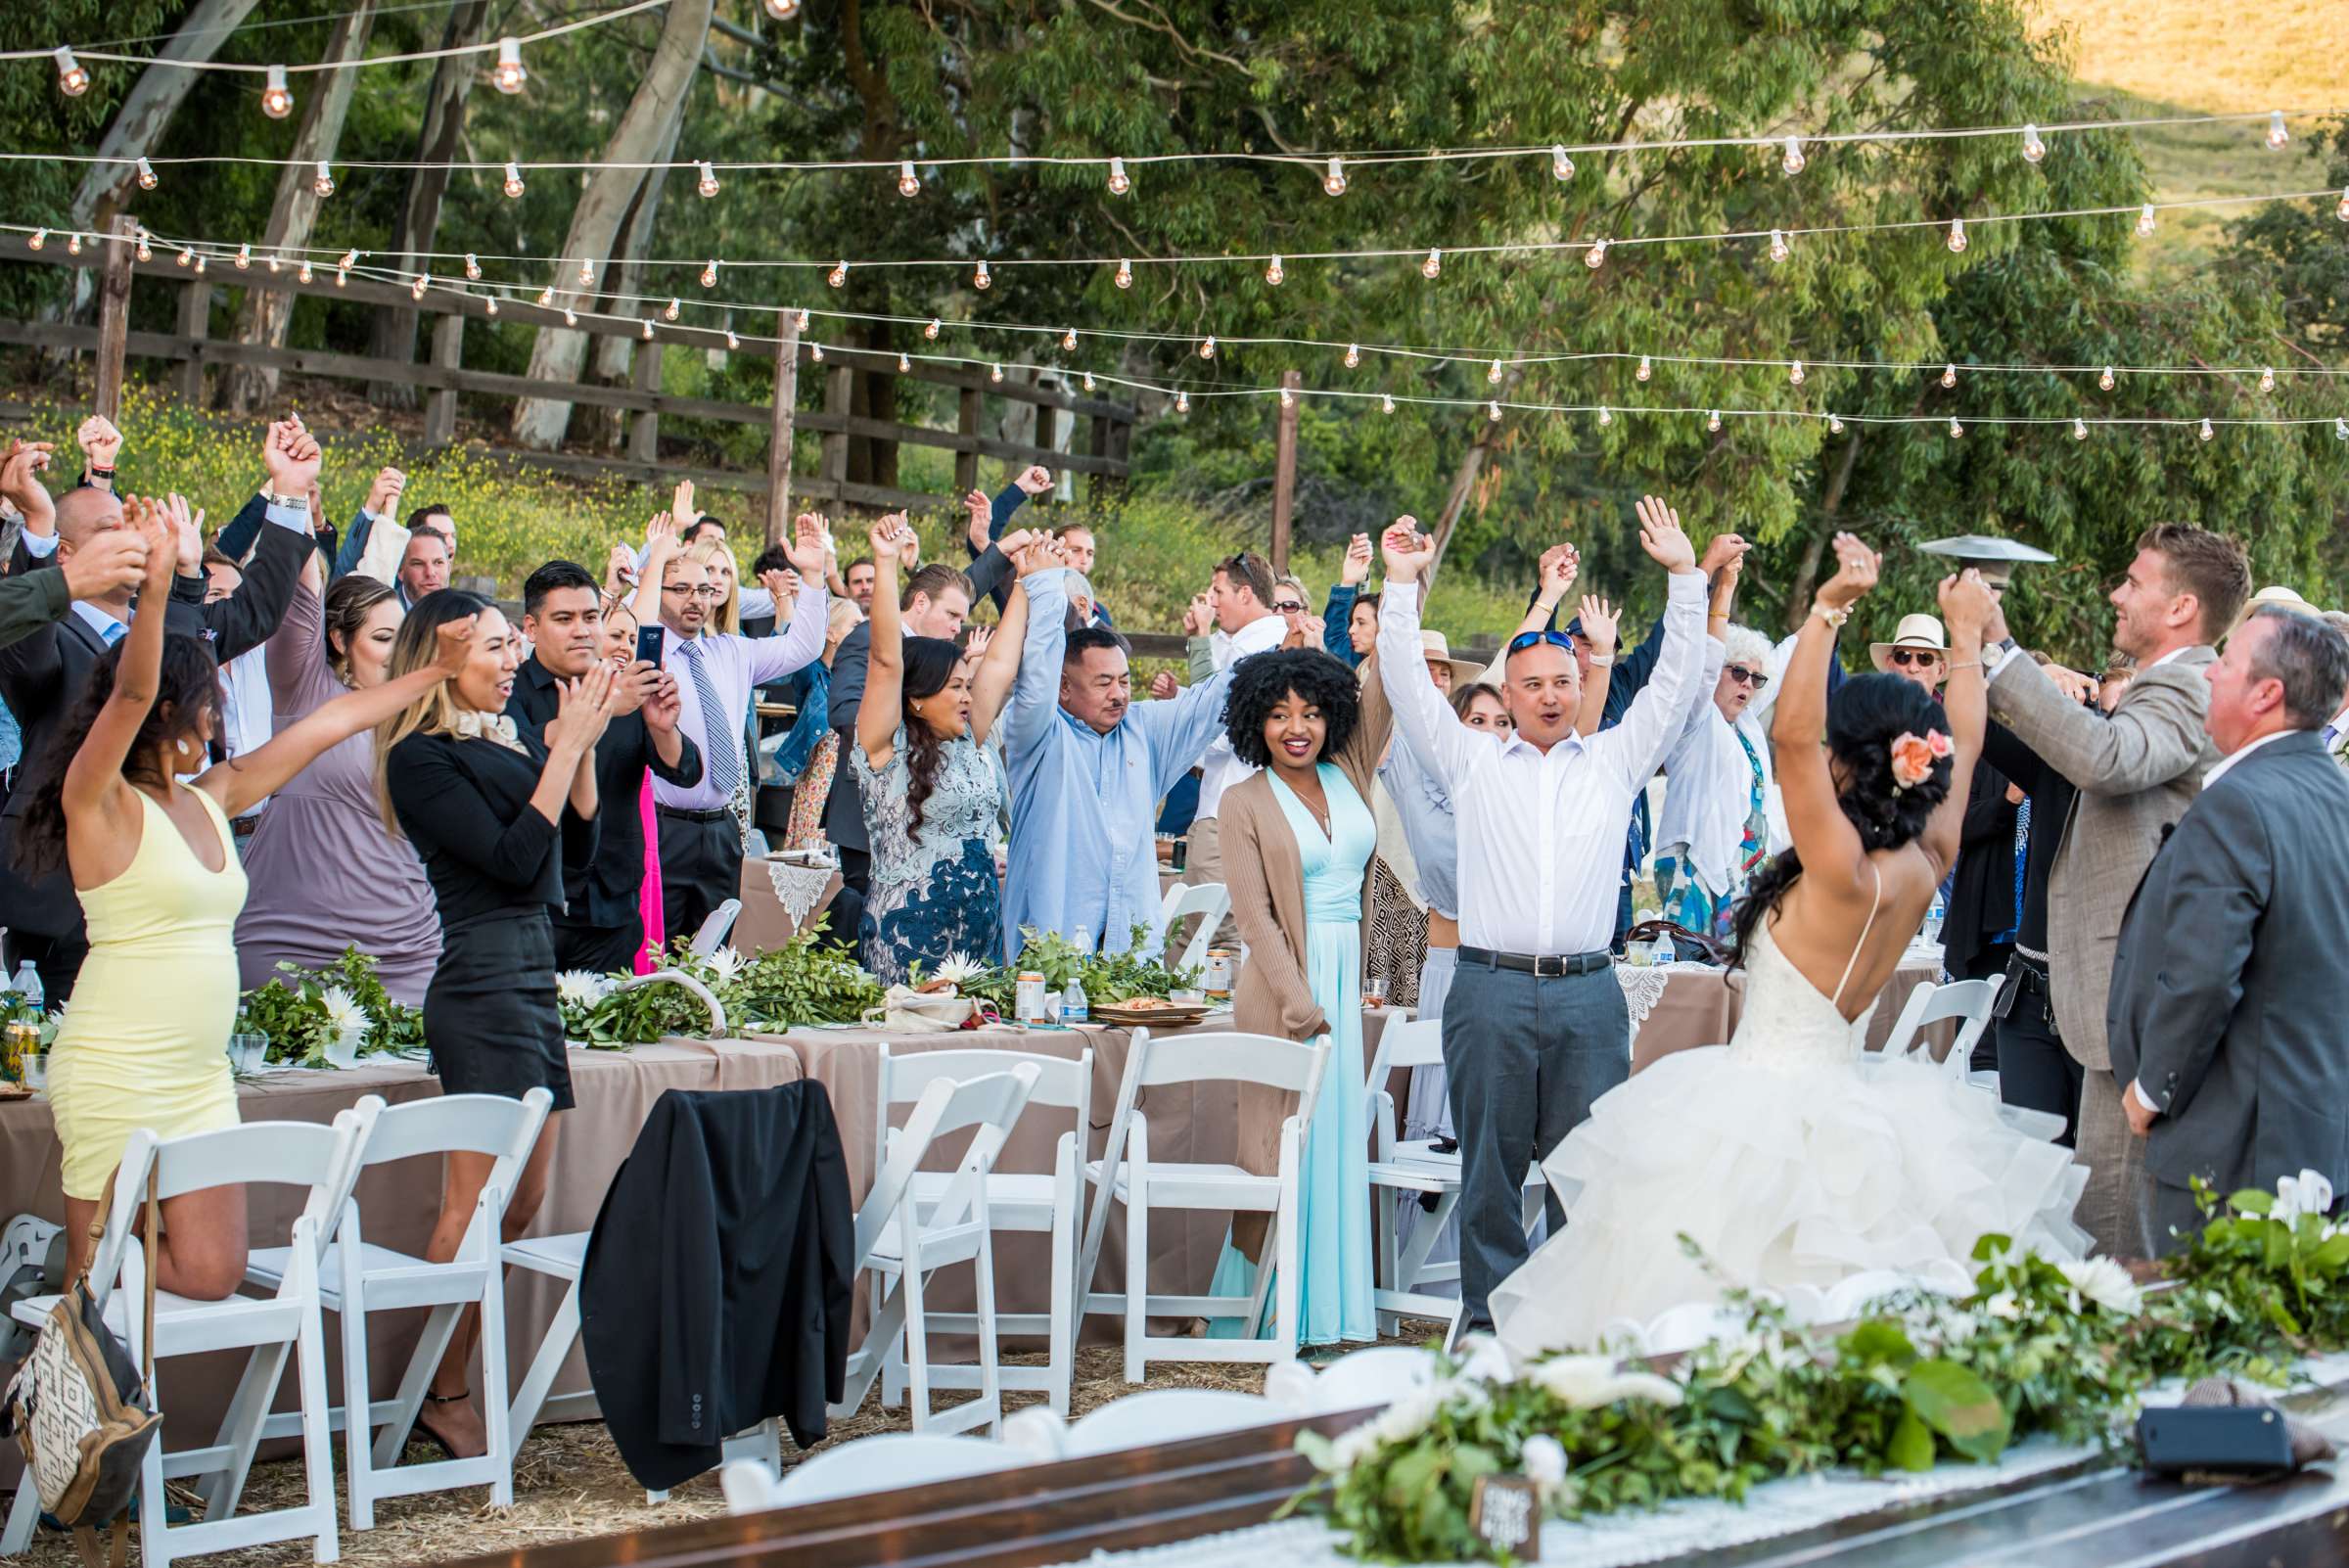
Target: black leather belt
<point>1540,965</point>
<point>720,814</point>
<point>244,826</point>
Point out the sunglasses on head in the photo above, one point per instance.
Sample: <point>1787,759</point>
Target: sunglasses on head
<point>1920,657</point>
<point>1530,639</point>
<point>1746,678</point>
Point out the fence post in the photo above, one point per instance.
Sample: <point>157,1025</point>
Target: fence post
<point>966,455</point>
<point>839,393</point>
<point>778,438</point>
<point>114,316</point>
<point>195,322</point>
<point>1284,469</point>
<point>440,404</point>
<point>644,427</point>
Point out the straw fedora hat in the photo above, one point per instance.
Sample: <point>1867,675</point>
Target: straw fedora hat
<point>1913,631</point>
<point>2275,594</point>
<point>1439,650</point>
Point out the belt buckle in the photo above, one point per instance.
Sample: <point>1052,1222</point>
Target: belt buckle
<point>1549,967</point>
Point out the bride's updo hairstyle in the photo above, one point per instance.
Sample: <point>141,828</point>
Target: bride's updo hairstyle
<point>1868,715</point>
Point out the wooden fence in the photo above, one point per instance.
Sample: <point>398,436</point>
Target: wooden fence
<point>1102,456</point>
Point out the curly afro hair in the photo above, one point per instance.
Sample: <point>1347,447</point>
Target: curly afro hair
<point>1868,715</point>
<point>1260,683</point>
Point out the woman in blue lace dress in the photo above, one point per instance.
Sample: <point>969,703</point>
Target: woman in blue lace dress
<point>931,794</point>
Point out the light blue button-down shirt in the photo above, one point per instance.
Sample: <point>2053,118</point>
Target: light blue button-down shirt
<point>1428,826</point>
<point>1083,858</point>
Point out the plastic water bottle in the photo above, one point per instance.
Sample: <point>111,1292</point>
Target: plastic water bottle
<point>1662,951</point>
<point>1933,920</point>
<point>28,988</point>
<point>1075,1008</point>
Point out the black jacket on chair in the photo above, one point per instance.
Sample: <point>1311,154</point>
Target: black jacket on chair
<point>719,1277</point>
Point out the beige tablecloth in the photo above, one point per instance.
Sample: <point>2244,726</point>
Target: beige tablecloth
<point>777,898</point>
<point>1701,1006</point>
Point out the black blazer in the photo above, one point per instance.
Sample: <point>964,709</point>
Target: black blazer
<point>719,1277</point>
<point>1982,887</point>
<point>2226,989</point>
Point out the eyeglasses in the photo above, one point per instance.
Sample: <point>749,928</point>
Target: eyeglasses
<point>707,590</point>
<point>1746,678</point>
<point>1287,607</point>
<point>1531,639</point>
<point>1919,656</point>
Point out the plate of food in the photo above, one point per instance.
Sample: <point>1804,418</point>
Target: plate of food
<point>1153,1012</point>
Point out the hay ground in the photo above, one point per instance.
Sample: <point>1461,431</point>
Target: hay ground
<point>569,1482</point>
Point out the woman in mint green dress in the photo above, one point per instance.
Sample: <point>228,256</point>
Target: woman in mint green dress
<point>1298,838</point>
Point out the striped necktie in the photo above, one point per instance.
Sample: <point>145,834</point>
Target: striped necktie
<point>719,751</point>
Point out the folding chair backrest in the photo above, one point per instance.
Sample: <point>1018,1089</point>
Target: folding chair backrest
<point>712,935</point>
<point>1416,1044</point>
<point>1263,1059</point>
<point>1968,1001</point>
<point>1167,1415</point>
<point>1061,1083</point>
<point>1211,902</point>
<point>489,1124</point>
<point>989,1104</point>
<point>886,1461</point>
<point>1375,1376</point>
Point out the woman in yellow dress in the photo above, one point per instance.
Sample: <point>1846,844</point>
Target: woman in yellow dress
<point>144,1043</point>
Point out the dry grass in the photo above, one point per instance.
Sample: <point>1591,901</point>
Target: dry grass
<point>569,1482</point>
<point>2212,57</point>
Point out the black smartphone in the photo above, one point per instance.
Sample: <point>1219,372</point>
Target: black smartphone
<point>648,643</point>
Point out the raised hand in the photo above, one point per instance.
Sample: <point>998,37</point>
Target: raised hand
<point>810,545</point>
<point>680,505</point>
<point>1357,569</point>
<point>620,569</point>
<point>1599,621</point>
<point>1661,537</point>
<point>974,646</point>
<point>318,522</point>
<point>1721,551</point>
<point>20,483</point>
<point>1408,552</point>
<point>154,527</point>
<point>99,440</point>
<point>1967,605</point>
<point>1163,686</point>
<point>1561,564</point>
<point>383,496</point>
<point>1035,479</point>
<point>1039,552</point>
<point>452,646</point>
<point>187,533</point>
<point>663,703</point>
<point>1855,570</point>
<point>887,536</point>
<point>981,514</point>
<point>113,562</point>
<point>291,456</point>
<point>784,586</point>
<point>1018,539</point>
<point>1305,630</point>
<point>1200,618</point>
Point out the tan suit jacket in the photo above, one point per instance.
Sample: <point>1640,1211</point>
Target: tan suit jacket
<point>2136,772</point>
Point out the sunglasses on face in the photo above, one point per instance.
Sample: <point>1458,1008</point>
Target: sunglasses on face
<point>1288,607</point>
<point>1918,658</point>
<point>1746,678</point>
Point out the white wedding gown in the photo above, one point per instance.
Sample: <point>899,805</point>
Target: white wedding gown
<point>1789,1156</point>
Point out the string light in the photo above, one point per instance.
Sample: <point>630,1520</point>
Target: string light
<point>1596,257</point>
<point>979,278</point>
<point>2277,136</point>
<point>1125,277</point>
<point>710,274</point>
<point>416,288</point>
<point>1088,381</point>
<point>2206,432</point>
<point>546,297</point>
<point>995,373</point>
<point>1645,370</point>
<point>1432,266</point>
<point>1354,355</point>
<point>782,10</point>
<point>1068,341</point>
<point>73,244</point>
<point>931,331</point>
<point>1794,161</point>
<point>508,75</point>
<point>186,258</point>
<point>304,274</point>
<point>2079,430</point>
<point>2267,378</point>
<point>1333,181</point>
<point>707,183</point>
<point>1949,375</point>
<point>837,277</point>
<point>732,342</point>
<point>2032,147</point>
<point>489,305</point>
<point>2342,211</point>
<point>1834,425</point>
<point>903,364</point>
<point>275,266</point>
<point>1493,375</point>
<point>909,184</point>
<point>324,182</point>
<point>72,76</point>
<point>1386,402</point>
<point>200,266</point>
<point>648,328</point>
<point>1956,429</point>
<point>1119,181</point>
<point>147,176</point>
<point>1713,420</point>
<point>1207,347</point>
<point>244,257</point>
<point>570,317</point>
<point>2104,382</point>
<point>1561,167</point>
<point>803,320</point>
<point>2144,221</point>
<point>1606,416</point>
<point>1275,272</point>
<point>277,99</point>
<point>2341,430</point>
<point>1492,412</point>
<point>1288,399</point>
<point>514,185</point>
<point>670,311</point>
<point>1794,373</point>
<point>1956,236</point>
<point>145,249</point>
<point>1183,402</point>
<point>586,273</point>
<point>473,269</point>
<point>816,352</point>
<point>1778,249</point>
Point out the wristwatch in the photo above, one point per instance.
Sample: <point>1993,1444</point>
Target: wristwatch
<point>299,503</point>
<point>1993,654</point>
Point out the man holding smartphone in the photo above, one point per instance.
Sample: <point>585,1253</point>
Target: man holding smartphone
<point>601,926</point>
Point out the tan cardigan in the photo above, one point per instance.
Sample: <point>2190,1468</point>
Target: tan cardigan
<point>1266,877</point>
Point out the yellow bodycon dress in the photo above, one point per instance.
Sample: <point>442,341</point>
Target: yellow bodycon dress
<point>145,1040</point>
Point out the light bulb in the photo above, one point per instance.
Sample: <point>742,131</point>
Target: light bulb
<point>546,297</point>
<point>1794,373</point>
<point>710,273</point>
<point>1949,375</point>
<point>670,311</point>
<point>1088,381</point>
<point>1354,354</point>
<point>732,342</point>
<point>342,275</point>
<point>1207,347</point>
<point>489,305</point>
<point>1125,277</point>
<point>979,278</point>
<point>185,258</point>
<point>815,352</point>
<point>275,266</point>
<point>804,319</point>
<point>244,257</point>
<point>707,183</point>
<point>1956,429</point>
<point>903,364</point>
<point>570,317</point>
<point>931,331</point>
<point>1778,249</point>
<point>304,274</point>
<point>995,373</point>
<point>1956,236</point>
<point>1606,416</point>
<point>839,276</point>
<point>909,184</point>
<point>1492,412</point>
<point>508,74</point>
<point>1596,257</point>
<point>2206,432</point>
<point>200,266</point>
<point>1183,402</point>
<point>324,183</point>
<point>2104,382</point>
<point>1068,341</point>
<point>146,248</point>
<point>423,281</point>
<point>2267,378</point>
<point>586,273</point>
<point>1834,425</point>
<point>2342,211</point>
<point>2032,147</point>
<point>2145,220</point>
<point>146,177</point>
<point>1275,272</point>
<point>1119,181</point>
<point>1647,368</point>
<point>277,99</point>
<point>782,10</point>
<point>1560,165</point>
<point>1493,375</point>
<point>351,258</point>
<point>1288,399</point>
<point>2341,430</point>
<point>1432,266</point>
<point>74,245</point>
<point>1333,182</point>
<point>472,267</point>
<point>1713,420</point>
<point>2277,136</point>
<point>72,76</point>
<point>2079,430</point>
<point>648,328</point>
<point>514,185</point>
<point>1794,161</point>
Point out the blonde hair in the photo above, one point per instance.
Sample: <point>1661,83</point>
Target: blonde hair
<point>436,711</point>
<point>727,615</point>
<point>840,620</point>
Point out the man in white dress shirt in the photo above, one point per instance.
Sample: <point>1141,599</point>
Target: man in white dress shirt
<point>1534,1028</point>
<point>1240,595</point>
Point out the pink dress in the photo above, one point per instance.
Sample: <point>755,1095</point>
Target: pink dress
<point>647,954</point>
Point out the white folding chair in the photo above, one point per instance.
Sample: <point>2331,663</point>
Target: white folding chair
<point>1405,1169</point>
<point>886,1462</point>
<point>1968,1001</point>
<point>1126,1174</point>
<point>894,1237</point>
<point>305,1154</point>
<point>359,1278</point>
<point>713,932</point>
<point>1211,900</point>
<point>1034,1203</point>
<point>1371,1378</point>
<point>1166,1416</point>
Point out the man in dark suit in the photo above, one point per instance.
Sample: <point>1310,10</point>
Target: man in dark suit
<point>602,923</point>
<point>2225,1011</point>
<point>42,678</point>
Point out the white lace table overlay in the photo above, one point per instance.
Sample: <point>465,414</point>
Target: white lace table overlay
<point>798,888</point>
<point>1643,986</point>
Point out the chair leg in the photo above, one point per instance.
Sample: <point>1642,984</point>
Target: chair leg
<point>1259,1289</point>
<point>893,1376</point>
<point>991,1375</point>
<point>317,1445</point>
<point>1067,1311</point>
<point>241,1427</point>
<point>358,1411</point>
<point>553,1351</point>
<point>1137,1278</point>
<point>494,1414</point>
<point>1285,1255</point>
<point>440,1328</point>
<point>917,1337</point>
<point>1385,1205</point>
<point>23,1514</point>
<point>155,1505</point>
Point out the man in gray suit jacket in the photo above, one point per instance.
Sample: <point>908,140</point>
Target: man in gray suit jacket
<point>2224,1013</point>
<point>2136,772</point>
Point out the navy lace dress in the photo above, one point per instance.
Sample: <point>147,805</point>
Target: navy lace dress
<point>934,893</point>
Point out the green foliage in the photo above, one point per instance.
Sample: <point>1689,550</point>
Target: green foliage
<point>2260,1284</point>
<point>292,1008</point>
<point>1107,977</point>
<point>805,981</point>
<point>808,979</point>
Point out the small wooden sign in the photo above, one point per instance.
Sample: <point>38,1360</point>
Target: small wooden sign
<point>1506,1513</point>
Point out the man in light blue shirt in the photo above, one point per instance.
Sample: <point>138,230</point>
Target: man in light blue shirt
<point>1089,767</point>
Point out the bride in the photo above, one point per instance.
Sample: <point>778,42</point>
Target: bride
<point>1790,1155</point>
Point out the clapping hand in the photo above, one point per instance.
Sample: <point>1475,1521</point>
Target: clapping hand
<point>1661,537</point>
<point>99,440</point>
<point>1035,479</point>
<point>1163,686</point>
<point>1356,568</point>
<point>452,646</point>
<point>1409,551</point>
<point>1856,571</point>
<point>583,708</point>
<point>1599,620</point>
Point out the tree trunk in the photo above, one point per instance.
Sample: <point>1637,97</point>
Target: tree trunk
<point>267,312</point>
<point>873,459</point>
<point>419,224</point>
<point>1463,481</point>
<point>1805,575</point>
<point>615,354</point>
<point>595,223</point>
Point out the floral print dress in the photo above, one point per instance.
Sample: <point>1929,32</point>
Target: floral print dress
<point>934,893</point>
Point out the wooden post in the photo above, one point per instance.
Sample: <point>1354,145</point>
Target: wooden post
<point>114,316</point>
<point>968,411</point>
<point>840,394</point>
<point>778,439</point>
<point>1284,470</point>
<point>440,404</point>
<point>195,321</point>
<point>644,426</point>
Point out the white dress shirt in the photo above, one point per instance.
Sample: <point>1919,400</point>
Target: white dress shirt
<point>735,666</point>
<point>1220,768</point>
<point>1540,833</point>
<point>2219,769</point>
